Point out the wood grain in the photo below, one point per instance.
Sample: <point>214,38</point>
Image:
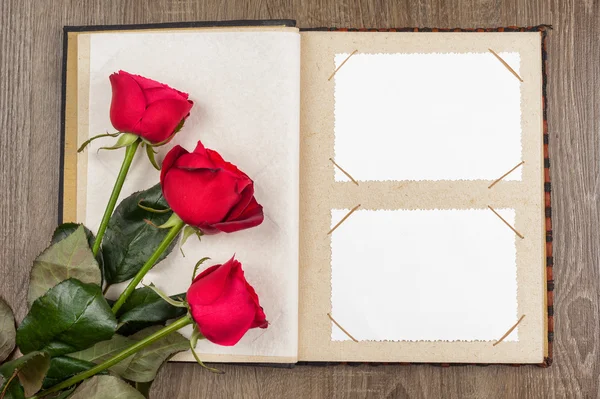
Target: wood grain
<point>30,60</point>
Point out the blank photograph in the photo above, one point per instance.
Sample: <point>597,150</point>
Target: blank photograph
<point>424,275</point>
<point>452,116</point>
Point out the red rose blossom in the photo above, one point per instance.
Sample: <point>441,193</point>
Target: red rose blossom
<point>146,108</point>
<point>207,192</point>
<point>224,305</point>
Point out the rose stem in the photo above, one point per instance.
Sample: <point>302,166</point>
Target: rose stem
<point>173,233</point>
<point>110,207</point>
<point>176,325</point>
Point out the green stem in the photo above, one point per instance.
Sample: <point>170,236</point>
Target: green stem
<point>178,324</point>
<point>173,233</point>
<point>110,207</point>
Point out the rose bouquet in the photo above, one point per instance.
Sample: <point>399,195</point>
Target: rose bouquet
<point>75,342</point>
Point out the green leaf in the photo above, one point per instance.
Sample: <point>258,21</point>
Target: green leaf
<point>66,229</point>
<point>124,140</point>
<point>104,350</point>
<point>32,374</point>
<point>105,387</point>
<point>168,139</point>
<point>144,388</point>
<point>85,143</point>
<point>171,222</point>
<point>187,232</point>
<point>141,367</point>
<point>146,363</point>
<point>14,390</point>
<point>147,208</point>
<point>150,152</point>
<point>68,258</point>
<point>173,302</point>
<point>30,370</point>
<point>62,395</point>
<point>198,264</point>
<point>129,240</point>
<point>69,317</point>
<point>64,367</point>
<point>7,331</point>
<point>196,335</point>
<point>145,308</point>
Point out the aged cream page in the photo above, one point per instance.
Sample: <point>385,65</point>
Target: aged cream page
<point>406,252</point>
<point>245,86</point>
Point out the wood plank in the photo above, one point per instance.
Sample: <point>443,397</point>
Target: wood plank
<point>15,135</point>
<point>30,59</point>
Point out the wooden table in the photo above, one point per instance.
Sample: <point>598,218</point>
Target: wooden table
<point>30,79</point>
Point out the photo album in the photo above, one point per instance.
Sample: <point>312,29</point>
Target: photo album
<point>403,175</point>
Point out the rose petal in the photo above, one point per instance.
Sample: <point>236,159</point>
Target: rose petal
<point>219,161</point>
<point>246,196</point>
<point>260,320</point>
<point>208,230</point>
<point>128,102</point>
<point>200,149</point>
<point>169,160</point>
<point>251,216</point>
<point>206,272</point>
<point>199,197</point>
<point>209,285</point>
<point>148,84</point>
<point>142,81</point>
<point>237,225</point>
<point>195,161</point>
<point>161,118</point>
<point>226,320</point>
<point>244,187</point>
<point>162,93</point>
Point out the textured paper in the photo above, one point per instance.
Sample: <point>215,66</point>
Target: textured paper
<point>320,193</point>
<point>245,88</point>
<point>423,275</point>
<point>427,116</point>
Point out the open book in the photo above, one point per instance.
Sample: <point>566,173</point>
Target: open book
<point>403,174</point>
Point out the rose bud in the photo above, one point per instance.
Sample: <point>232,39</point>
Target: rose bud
<point>146,108</point>
<point>224,305</point>
<point>207,192</point>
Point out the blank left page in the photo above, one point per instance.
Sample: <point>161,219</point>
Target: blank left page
<point>245,86</point>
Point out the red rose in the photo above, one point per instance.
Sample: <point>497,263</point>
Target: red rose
<point>146,108</point>
<point>224,305</point>
<point>207,192</point>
